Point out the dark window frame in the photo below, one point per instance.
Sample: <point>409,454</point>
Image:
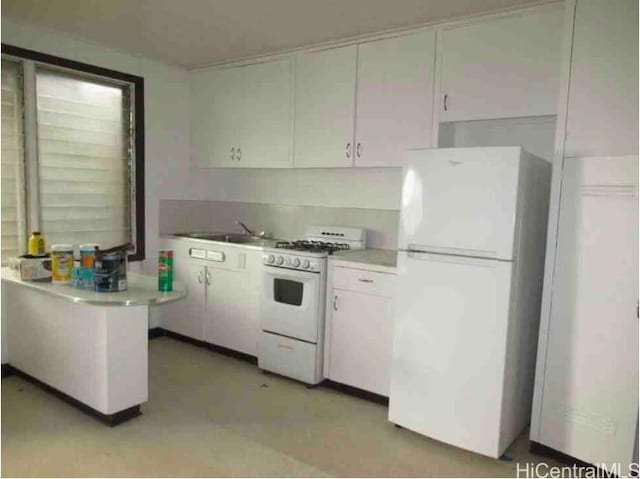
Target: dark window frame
<point>138,119</point>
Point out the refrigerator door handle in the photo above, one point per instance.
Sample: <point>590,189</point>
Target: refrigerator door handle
<point>430,256</point>
<point>415,249</point>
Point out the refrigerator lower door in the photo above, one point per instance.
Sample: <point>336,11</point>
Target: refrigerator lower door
<point>449,347</point>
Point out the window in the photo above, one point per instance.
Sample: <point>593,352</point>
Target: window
<point>13,241</point>
<point>72,153</point>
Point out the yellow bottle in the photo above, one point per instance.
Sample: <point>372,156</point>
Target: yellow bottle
<point>36,244</point>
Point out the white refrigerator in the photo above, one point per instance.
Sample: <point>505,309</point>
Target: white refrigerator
<point>470,266</point>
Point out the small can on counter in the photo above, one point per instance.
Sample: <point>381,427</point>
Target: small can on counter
<point>83,268</point>
<point>88,255</point>
<point>165,270</point>
<point>61,263</point>
<point>110,272</point>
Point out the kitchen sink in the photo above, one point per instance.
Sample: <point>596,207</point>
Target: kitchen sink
<point>237,238</point>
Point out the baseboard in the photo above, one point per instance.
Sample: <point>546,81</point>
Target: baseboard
<point>213,347</point>
<point>7,370</point>
<point>361,393</point>
<point>156,332</point>
<point>353,391</point>
<point>549,452</point>
<point>108,419</point>
<point>183,338</point>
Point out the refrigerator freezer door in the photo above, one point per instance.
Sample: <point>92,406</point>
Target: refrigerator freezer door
<point>449,347</point>
<point>460,201</point>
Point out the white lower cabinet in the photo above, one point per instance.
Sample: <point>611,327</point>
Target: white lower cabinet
<point>359,328</point>
<point>186,316</point>
<point>233,307</point>
<point>223,302</point>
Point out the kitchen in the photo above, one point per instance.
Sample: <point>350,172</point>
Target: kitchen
<point>378,97</point>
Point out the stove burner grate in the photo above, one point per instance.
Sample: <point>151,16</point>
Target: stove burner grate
<point>312,246</point>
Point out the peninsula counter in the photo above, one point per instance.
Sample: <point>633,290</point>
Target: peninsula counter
<point>87,347</point>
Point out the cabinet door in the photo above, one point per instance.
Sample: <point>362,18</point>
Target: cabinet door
<point>590,390</point>
<point>394,98</point>
<point>602,115</point>
<point>360,342</point>
<point>508,67</point>
<point>186,316</point>
<point>233,306</point>
<point>266,140</point>
<point>325,108</point>
<point>216,105</point>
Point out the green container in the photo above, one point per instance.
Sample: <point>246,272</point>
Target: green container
<point>165,270</point>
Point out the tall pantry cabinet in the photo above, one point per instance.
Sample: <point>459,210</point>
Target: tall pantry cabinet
<point>586,393</point>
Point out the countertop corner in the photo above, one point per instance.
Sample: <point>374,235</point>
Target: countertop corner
<point>376,257</point>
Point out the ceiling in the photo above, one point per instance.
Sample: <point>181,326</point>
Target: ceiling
<point>194,33</point>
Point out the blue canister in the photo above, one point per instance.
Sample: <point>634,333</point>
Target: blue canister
<point>82,278</point>
<point>110,272</point>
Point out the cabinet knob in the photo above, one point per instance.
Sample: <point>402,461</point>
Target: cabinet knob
<point>348,150</point>
<point>239,156</point>
<point>358,150</point>
<point>208,278</point>
<point>335,302</point>
<point>200,277</point>
<point>446,107</point>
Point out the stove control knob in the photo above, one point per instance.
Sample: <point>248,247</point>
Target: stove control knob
<point>312,266</point>
<point>271,259</point>
<point>279,260</point>
<point>295,262</point>
<point>305,264</point>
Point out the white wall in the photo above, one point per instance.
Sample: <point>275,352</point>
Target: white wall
<point>534,134</point>
<point>373,188</point>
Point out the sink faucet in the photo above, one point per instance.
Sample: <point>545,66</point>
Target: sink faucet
<point>245,230</point>
<point>253,234</point>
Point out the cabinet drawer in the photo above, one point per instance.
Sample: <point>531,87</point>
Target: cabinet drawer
<point>289,357</point>
<point>362,281</point>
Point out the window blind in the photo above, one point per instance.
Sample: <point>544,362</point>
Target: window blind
<point>83,159</point>
<point>13,232</point>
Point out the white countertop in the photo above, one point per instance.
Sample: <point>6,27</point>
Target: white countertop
<point>376,257</point>
<point>254,244</point>
<point>141,290</point>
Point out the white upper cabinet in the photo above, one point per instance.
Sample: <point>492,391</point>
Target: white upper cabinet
<point>363,105</point>
<point>215,116</point>
<point>503,68</point>
<point>324,108</point>
<point>602,114</point>
<point>266,134</point>
<point>241,116</point>
<point>394,98</point>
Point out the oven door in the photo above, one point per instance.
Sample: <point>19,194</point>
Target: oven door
<point>290,303</point>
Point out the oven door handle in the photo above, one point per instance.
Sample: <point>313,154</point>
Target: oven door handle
<point>275,272</point>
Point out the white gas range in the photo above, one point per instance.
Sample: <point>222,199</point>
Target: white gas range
<point>292,339</point>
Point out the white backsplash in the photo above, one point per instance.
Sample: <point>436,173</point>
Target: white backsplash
<point>282,221</point>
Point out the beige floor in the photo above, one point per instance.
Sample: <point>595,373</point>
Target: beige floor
<point>211,415</point>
